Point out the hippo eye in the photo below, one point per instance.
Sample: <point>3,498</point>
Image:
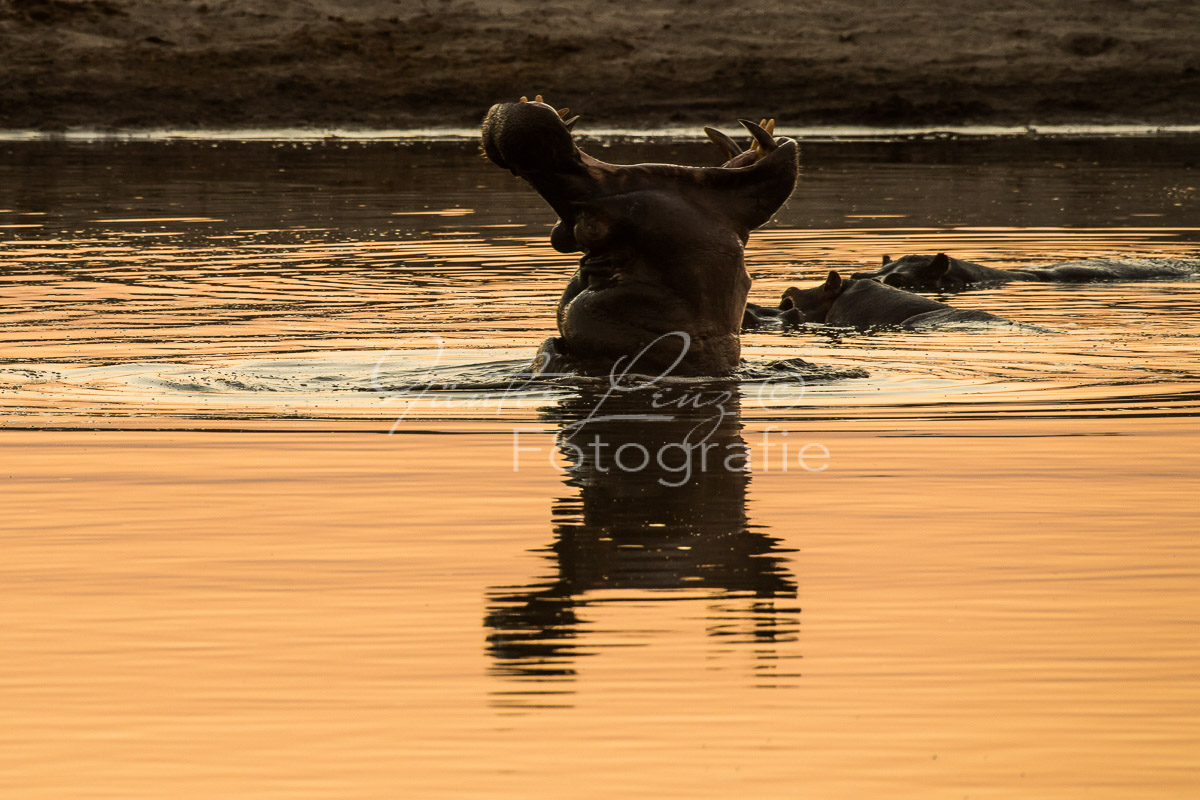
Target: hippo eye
<point>591,231</point>
<point>899,281</point>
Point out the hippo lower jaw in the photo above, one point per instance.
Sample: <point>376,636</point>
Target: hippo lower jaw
<point>610,320</point>
<point>520,137</point>
<point>662,279</point>
<point>533,141</point>
<point>669,355</point>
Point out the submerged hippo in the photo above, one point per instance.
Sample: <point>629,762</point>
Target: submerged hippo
<point>942,273</point>
<point>662,282</point>
<point>864,304</point>
<point>756,316</point>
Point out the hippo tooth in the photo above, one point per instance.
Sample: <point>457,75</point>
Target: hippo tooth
<point>728,146</point>
<point>762,139</point>
<point>767,125</point>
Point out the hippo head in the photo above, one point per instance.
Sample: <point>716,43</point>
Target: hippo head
<point>920,272</point>
<point>661,284</point>
<point>814,304</point>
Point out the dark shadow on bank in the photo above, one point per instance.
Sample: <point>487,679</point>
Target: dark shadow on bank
<point>656,511</point>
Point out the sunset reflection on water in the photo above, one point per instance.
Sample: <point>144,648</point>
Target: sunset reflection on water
<point>268,533</point>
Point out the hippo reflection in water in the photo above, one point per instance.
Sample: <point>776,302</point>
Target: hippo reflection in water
<point>675,528</point>
<point>662,281</point>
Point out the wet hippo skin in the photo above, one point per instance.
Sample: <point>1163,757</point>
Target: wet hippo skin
<point>942,273</point>
<point>661,282</point>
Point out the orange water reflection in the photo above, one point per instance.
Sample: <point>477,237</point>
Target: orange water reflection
<point>222,577</point>
<point>983,611</point>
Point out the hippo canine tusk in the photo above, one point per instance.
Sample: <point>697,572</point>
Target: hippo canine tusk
<point>728,146</point>
<point>766,143</point>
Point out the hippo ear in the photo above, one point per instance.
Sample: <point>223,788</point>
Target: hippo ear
<point>833,284</point>
<point>786,301</point>
<point>886,260</point>
<point>939,266</point>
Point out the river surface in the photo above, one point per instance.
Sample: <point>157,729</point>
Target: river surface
<point>278,521</point>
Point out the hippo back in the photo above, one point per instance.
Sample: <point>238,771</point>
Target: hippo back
<point>868,304</point>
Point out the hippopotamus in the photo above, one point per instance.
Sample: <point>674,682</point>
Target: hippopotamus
<point>661,285</point>
<point>942,273</point>
<point>863,304</point>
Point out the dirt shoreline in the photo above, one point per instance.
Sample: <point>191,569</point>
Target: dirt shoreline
<point>136,64</point>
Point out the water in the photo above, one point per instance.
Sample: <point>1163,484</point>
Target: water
<point>972,572</point>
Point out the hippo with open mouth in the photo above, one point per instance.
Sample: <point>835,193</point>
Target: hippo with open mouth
<point>661,286</point>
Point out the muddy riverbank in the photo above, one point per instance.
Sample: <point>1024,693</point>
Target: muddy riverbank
<point>123,64</point>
